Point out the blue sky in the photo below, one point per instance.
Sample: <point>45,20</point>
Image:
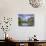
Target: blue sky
<point>25,16</point>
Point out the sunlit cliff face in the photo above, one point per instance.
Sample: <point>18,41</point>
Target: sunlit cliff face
<point>35,3</point>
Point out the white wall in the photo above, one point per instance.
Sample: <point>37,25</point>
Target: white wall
<point>11,8</point>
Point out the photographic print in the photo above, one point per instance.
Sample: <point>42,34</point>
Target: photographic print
<point>26,19</point>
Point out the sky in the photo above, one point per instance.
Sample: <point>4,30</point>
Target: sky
<point>25,16</point>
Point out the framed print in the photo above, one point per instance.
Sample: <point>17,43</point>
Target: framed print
<point>26,19</point>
